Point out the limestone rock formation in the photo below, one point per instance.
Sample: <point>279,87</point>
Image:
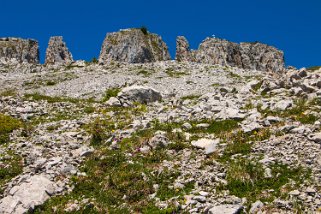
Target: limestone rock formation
<point>22,50</point>
<point>254,56</point>
<point>133,46</point>
<point>57,51</point>
<point>183,52</point>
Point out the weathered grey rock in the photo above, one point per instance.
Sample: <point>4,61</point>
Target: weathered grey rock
<point>254,56</point>
<point>141,94</point>
<point>57,52</point>
<point>183,52</point>
<point>256,207</point>
<point>208,145</point>
<point>35,191</point>
<point>22,50</point>
<point>316,137</point>
<point>226,209</point>
<point>159,140</point>
<point>133,46</point>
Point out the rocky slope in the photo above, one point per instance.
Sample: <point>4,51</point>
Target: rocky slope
<point>133,46</point>
<point>253,56</point>
<point>20,50</point>
<point>170,136</point>
<point>57,52</point>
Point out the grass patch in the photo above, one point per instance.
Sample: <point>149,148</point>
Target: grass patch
<point>307,119</point>
<point>7,125</point>
<point>246,179</point>
<point>10,167</point>
<point>145,73</point>
<point>8,92</point>
<point>38,97</point>
<point>313,68</point>
<point>215,127</point>
<point>111,92</point>
<point>118,183</point>
<point>191,97</point>
<point>176,74</point>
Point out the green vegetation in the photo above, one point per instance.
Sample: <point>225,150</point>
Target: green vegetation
<point>313,68</point>
<point>145,73</point>
<point>118,183</point>
<point>10,167</point>
<point>190,97</point>
<point>172,73</point>
<point>296,113</point>
<point>111,92</point>
<point>38,97</point>
<point>246,179</point>
<point>144,30</point>
<point>8,92</point>
<point>7,125</point>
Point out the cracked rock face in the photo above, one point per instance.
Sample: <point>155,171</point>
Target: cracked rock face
<point>57,52</point>
<point>21,50</point>
<point>254,56</point>
<point>133,46</point>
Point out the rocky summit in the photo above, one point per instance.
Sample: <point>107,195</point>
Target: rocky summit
<point>20,50</point>
<point>133,46</point>
<point>170,136</point>
<point>254,56</point>
<point>57,52</point>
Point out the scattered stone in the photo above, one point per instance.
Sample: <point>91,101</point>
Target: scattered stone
<point>226,209</point>
<point>207,144</point>
<point>141,94</point>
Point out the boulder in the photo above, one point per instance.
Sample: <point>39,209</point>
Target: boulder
<point>226,209</point>
<point>141,94</point>
<point>26,196</point>
<point>208,145</point>
<point>57,52</point>
<point>133,46</point>
<point>22,50</point>
<point>253,56</point>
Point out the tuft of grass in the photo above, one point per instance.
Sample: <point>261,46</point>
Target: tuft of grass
<point>191,97</point>
<point>145,73</point>
<point>8,92</point>
<point>111,92</point>
<point>10,167</point>
<point>7,125</point>
<point>99,130</point>
<point>313,68</point>
<point>307,119</point>
<point>216,127</point>
<point>239,143</point>
<point>144,30</point>
<point>50,83</point>
<point>246,179</point>
<point>176,74</point>
<point>38,97</point>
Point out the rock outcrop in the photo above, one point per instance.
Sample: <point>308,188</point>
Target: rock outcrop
<point>133,46</point>
<point>253,56</point>
<point>22,50</point>
<point>57,52</point>
<point>183,52</point>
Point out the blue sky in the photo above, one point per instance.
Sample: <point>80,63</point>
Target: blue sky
<point>293,26</point>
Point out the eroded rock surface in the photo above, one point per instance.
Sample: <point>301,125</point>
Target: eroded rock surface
<point>21,50</point>
<point>254,56</point>
<point>133,46</point>
<point>57,52</point>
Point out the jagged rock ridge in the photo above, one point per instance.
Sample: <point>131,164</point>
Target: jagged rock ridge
<point>255,56</point>
<point>133,46</point>
<point>22,50</point>
<point>57,51</point>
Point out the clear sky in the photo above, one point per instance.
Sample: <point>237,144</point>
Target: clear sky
<point>293,26</point>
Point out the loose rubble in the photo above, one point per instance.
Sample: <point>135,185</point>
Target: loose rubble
<point>185,136</point>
